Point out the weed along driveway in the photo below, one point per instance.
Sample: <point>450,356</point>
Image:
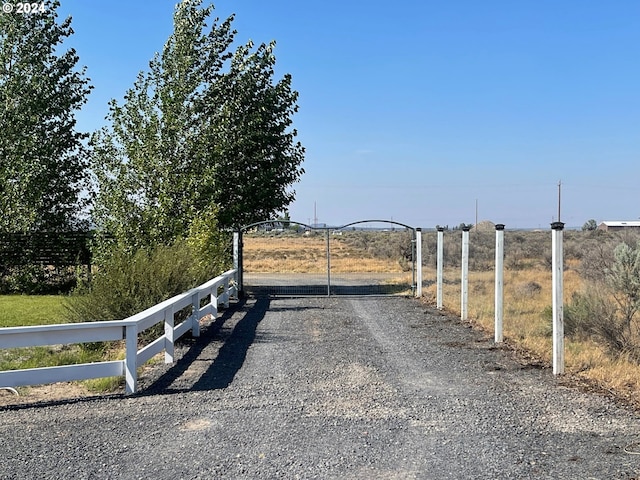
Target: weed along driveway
<point>330,387</point>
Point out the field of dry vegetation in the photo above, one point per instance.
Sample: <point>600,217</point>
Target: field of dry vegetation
<point>602,346</point>
<point>351,252</point>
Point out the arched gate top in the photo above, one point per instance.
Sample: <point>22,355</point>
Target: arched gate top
<point>325,227</point>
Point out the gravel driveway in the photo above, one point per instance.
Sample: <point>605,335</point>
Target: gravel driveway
<point>340,387</point>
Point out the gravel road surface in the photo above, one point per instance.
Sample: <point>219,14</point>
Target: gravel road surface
<point>336,388</point>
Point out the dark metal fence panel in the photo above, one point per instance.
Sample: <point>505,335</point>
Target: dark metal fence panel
<point>45,248</point>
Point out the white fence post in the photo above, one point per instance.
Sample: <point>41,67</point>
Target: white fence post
<point>237,259</point>
<point>499,303</point>
<point>131,359</point>
<point>439,267</point>
<point>195,316</point>
<point>213,300</point>
<point>226,294</point>
<point>418,262</point>
<point>464,293</point>
<point>169,335</point>
<point>558,294</point>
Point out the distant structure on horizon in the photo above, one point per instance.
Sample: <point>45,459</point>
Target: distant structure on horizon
<point>484,226</point>
<point>613,226</point>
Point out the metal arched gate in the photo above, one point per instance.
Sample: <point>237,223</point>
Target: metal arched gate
<point>368,257</point>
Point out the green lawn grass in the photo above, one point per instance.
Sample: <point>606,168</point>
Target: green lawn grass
<point>27,310</point>
<point>24,310</point>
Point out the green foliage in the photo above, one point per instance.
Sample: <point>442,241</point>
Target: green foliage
<point>29,279</point>
<point>27,310</point>
<point>624,280</point>
<point>104,385</point>
<point>210,245</point>
<point>42,158</point>
<point>589,225</point>
<point>37,279</point>
<point>127,283</point>
<point>203,127</point>
<point>42,263</point>
<point>590,314</point>
<point>607,308</point>
<point>256,151</point>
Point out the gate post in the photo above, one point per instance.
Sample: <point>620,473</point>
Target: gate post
<point>418,262</point>
<point>557,287</point>
<point>237,260</point>
<point>464,293</point>
<point>439,262</point>
<point>499,300</point>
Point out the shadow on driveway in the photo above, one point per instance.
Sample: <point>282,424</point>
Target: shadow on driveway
<point>221,372</point>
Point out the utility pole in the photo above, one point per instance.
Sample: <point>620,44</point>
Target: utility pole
<point>559,197</point>
<point>315,215</point>
<point>476,225</point>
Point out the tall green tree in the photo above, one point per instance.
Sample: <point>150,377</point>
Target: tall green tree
<point>258,158</point>
<point>43,163</point>
<point>205,129</point>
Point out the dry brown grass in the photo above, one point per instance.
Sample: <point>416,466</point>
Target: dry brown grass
<point>526,327</point>
<point>526,294</point>
<point>308,254</point>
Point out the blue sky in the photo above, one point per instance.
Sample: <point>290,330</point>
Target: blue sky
<point>417,110</point>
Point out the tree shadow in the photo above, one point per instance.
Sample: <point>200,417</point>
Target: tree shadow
<point>218,375</point>
<point>230,357</point>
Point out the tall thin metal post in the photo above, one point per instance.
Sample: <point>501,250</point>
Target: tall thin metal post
<point>439,267</point>
<point>499,303</point>
<point>557,279</point>
<point>464,294</point>
<point>418,262</point>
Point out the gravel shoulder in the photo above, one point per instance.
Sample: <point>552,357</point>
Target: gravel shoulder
<point>339,387</point>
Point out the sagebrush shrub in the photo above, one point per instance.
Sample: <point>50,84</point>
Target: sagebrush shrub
<point>127,283</point>
<point>608,307</point>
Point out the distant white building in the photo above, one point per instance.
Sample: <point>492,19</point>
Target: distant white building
<point>612,226</point>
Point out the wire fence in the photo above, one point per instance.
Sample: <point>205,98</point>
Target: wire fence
<point>328,261</point>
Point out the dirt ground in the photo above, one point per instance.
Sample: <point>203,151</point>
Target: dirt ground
<point>43,393</point>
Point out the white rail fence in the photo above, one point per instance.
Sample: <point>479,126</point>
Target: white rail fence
<point>217,291</point>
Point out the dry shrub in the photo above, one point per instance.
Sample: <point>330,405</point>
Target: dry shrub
<point>528,289</point>
<point>606,308</point>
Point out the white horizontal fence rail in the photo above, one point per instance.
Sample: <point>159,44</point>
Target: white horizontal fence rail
<point>218,291</point>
